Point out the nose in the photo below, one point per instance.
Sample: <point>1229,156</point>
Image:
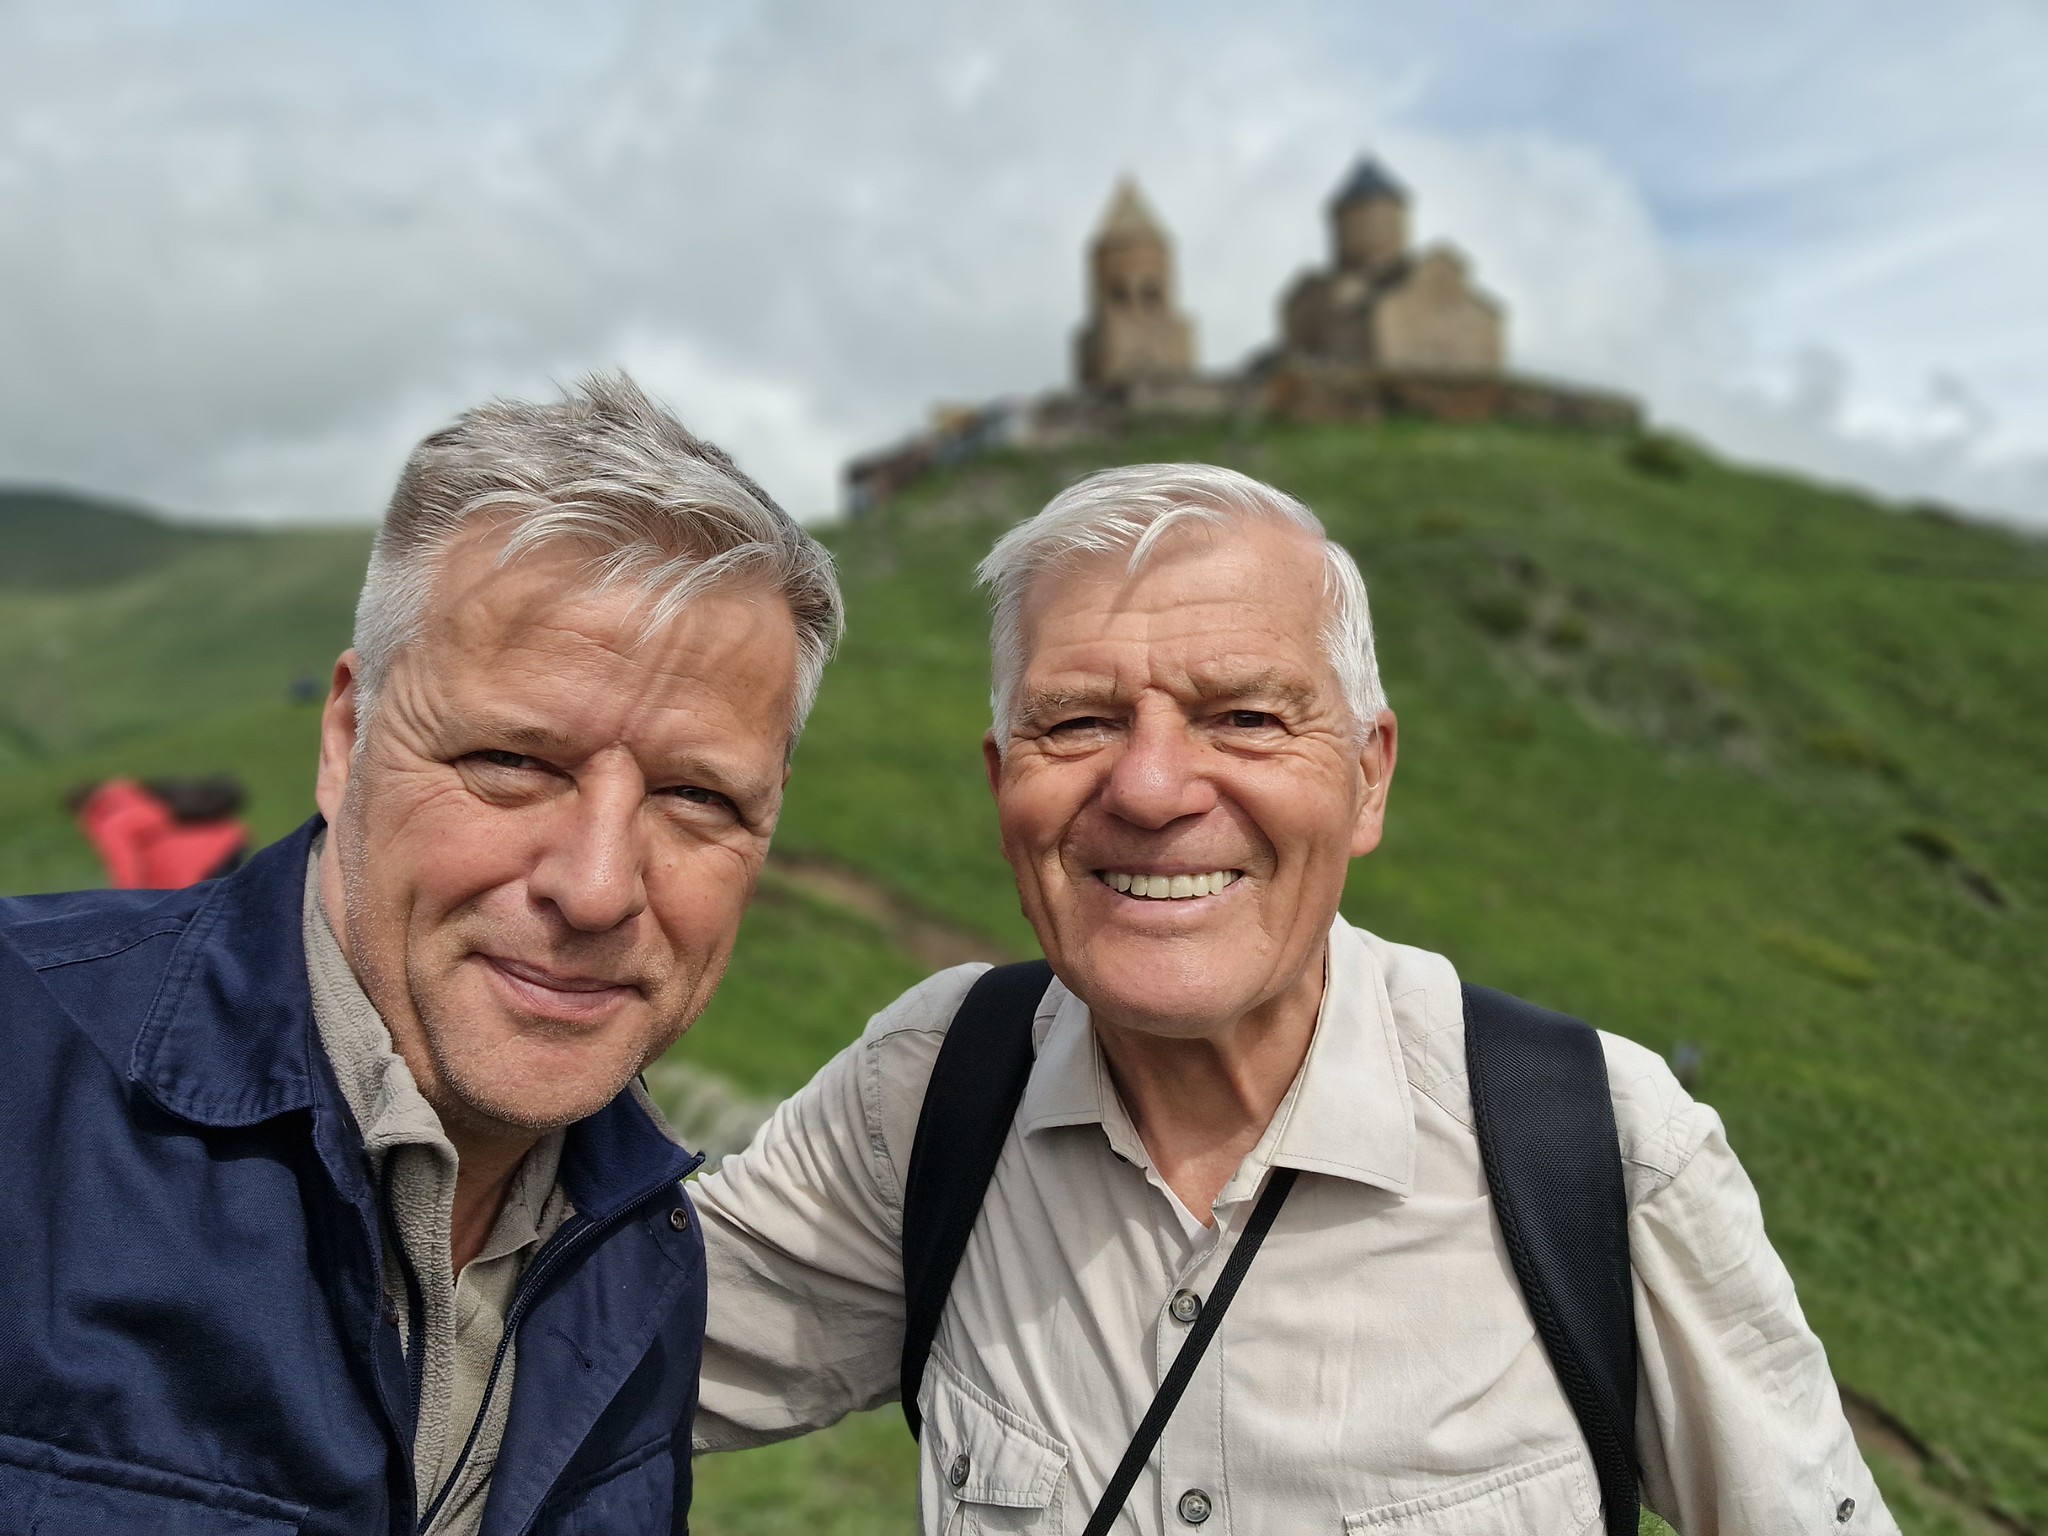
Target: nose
<point>1156,777</point>
<point>592,867</point>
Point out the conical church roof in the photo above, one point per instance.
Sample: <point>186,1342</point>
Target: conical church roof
<point>1368,180</point>
<point>1129,216</point>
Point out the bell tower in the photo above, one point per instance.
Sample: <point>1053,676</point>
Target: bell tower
<point>1133,331</point>
<point>1369,221</point>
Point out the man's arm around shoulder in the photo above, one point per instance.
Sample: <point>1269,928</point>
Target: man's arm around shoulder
<point>802,1236</point>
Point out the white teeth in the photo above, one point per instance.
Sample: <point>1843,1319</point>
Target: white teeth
<point>1170,887</point>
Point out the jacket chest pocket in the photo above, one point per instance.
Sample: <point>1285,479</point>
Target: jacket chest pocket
<point>1555,1496</point>
<point>983,1468</point>
<point>635,1493</point>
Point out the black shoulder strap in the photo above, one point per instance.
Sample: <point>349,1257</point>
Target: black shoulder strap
<point>1545,1122</point>
<point>1541,1105</point>
<point>972,1098</point>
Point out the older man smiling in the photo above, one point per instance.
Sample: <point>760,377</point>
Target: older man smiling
<point>1190,746</point>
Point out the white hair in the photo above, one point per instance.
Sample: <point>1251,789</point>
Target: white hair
<point>1133,508</point>
<point>658,509</point>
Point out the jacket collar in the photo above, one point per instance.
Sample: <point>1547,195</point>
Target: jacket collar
<point>230,1039</point>
<point>1347,1115</point>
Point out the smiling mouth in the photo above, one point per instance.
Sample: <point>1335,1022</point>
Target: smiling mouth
<point>1150,887</point>
<point>557,996</point>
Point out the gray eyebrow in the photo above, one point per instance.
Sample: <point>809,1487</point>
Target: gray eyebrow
<point>1265,683</point>
<point>1047,700</point>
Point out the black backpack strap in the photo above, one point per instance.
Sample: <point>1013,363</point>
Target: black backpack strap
<point>969,1104</point>
<point>1545,1120</point>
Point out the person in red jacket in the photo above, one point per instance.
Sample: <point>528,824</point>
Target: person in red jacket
<point>163,834</point>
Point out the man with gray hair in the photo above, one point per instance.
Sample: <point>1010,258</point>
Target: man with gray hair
<point>1512,1277</point>
<point>333,1203</point>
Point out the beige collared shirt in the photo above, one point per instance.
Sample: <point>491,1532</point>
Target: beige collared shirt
<point>1378,1372</point>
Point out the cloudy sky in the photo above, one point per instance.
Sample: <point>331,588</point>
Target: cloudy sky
<point>250,251</point>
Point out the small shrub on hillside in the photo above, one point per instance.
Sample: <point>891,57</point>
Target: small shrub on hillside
<point>1657,455</point>
<point>1500,611</point>
<point>1847,747</point>
<point>1569,632</point>
<point>1937,847</point>
<point>1931,843</point>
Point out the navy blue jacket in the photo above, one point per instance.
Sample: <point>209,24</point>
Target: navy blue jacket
<point>193,1335</point>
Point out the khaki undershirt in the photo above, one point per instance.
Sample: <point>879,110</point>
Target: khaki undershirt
<point>465,1314</point>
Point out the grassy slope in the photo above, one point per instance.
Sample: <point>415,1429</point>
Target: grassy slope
<point>1661,740</point>
<point>1665,742</point>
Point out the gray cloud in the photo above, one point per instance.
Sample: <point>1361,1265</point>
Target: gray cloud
<point>253,256</point>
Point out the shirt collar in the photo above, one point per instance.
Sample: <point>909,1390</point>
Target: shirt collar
<point>1347,1115</point>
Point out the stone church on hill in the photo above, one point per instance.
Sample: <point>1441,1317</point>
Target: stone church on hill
<point>1379,304</point>
<point>1382,331</point>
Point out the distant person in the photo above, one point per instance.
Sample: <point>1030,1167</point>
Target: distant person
<point>1515,1280</point>
<point>331,1202</point>
<point>164,834</point>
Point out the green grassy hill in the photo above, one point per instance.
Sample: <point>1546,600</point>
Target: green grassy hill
<point>1704,755</point>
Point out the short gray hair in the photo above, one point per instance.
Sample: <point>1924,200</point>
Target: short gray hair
<point>659,509</point>
<point>1133,508</point>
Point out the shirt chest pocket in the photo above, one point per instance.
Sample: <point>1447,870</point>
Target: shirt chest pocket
<point>1555,1496</point>
<point>985,1469</point>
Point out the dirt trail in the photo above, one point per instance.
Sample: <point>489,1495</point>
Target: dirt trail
<point>925,937</point>
<point>717,1118</point>
<point>1934,1474</point>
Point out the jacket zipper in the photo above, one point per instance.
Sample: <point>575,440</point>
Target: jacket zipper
<point>576,1233</point>
<point>415,1297</point>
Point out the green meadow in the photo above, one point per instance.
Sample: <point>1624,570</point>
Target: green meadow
<point>1714,758</point>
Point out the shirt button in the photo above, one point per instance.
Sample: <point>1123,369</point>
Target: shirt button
<point>1186,1306</point>
<point>957,1473</point>
<point>1194,1506</point>
<point>1844,1510</point>
<point>679,1218</point>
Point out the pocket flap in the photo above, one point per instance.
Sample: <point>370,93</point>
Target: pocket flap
<point>55,1492</point>
<point>984,1451</point>
<point>1555,1494</point>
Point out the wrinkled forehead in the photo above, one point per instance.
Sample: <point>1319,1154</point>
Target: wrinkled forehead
<point>546,624</point>
<point>1265,575</point>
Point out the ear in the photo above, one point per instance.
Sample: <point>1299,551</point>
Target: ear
<point>338,726</point>
<point>992,763</point>
<point>1376,762</point>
